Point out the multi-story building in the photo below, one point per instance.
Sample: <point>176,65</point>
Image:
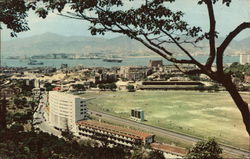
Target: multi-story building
<point>133,72</point>
<point>65,110</point>
<point>155,63</point>
<point>113,134</point>
<point>244,58</point>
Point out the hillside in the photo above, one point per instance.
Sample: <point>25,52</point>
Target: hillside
<point>48,43</point>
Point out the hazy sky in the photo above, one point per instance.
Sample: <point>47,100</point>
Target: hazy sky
<point>227,19</point>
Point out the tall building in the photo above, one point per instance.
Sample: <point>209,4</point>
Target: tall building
<point>244,58</point>
<point>65,110</point>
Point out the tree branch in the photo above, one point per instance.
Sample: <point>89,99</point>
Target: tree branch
<point>171,59</point>
<point>221,49</point>
<point>130,34</point>
<point>184,50</point>
<point>157,46</point>
<point>212,21</point>
<point>189,72</point>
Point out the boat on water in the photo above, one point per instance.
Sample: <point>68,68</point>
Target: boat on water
<point>34,62</point>
<point>112,60</point>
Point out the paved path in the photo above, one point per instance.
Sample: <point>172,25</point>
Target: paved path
<point>164,132</point>
<point>43,125</point>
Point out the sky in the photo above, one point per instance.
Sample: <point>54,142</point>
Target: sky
<point>227,19</point>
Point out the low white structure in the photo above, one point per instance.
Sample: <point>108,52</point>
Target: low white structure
<point>65,110</point>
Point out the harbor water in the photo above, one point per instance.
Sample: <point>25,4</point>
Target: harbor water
<point>134,61</point>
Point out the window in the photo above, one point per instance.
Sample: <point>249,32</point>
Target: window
<point>81,112</point>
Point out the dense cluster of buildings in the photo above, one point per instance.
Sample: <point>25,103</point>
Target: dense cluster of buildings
<point>66,77</point>
<point>154,76</point>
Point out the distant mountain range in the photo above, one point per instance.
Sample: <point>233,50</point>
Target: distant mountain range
<point>49,43</point>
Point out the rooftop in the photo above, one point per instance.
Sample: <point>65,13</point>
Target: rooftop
<point>115,129</point>
<point>64,94</point>
<point>169,148</point>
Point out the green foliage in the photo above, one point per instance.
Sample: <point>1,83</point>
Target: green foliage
<point>101,86</point>
<point>156,155</point>
<point>143,153</point>
<point>30,145</point>
<point>194,77</point>
<point>20,102</point>
<point>42,12</point>
<point>201,88</point>
<point>214,87</point>
<point>79,87</point>
<point>21,117</point>
<point>25,90</point>
<point>205,149</point>
<point>238,70</point>
<point>17,127</point>
<point>110,86</point>
<point>138,154</point>
<point>168,76</point>
<point>32,105</point>
<point>244,88</point>
<point>130,88</point>
<point>13,13</point>
<point>227,2</point>
<point>48,86</point>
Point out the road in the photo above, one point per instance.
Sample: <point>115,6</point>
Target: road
<point>42,124</point>
<point>164,132</point>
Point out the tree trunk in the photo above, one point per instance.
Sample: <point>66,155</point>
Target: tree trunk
<point>241,104</point>
<point>3,111</point>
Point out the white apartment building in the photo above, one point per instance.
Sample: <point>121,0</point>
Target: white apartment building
<point>244,58</point>
<point>65,110</point>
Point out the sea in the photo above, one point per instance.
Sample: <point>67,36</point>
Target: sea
<point>131,61</point>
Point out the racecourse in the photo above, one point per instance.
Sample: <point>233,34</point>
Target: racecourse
<point>199,114</point>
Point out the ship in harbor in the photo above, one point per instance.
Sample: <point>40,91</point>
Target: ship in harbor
<point>34,62</point>
<point>112,60</point>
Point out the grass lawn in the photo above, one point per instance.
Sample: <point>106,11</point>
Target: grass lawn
<point>199,114</point>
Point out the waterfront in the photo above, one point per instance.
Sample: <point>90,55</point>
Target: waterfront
<point>134,61</point>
